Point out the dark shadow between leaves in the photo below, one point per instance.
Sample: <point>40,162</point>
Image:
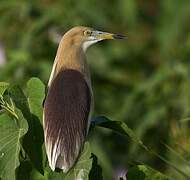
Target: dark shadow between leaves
<point>24,170</point>
<point>33,142</point>
<point>96,170</point>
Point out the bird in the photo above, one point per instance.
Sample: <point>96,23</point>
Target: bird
<point>68,105</point>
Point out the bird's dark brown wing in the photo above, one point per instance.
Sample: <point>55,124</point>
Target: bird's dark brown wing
<point>66,113</point>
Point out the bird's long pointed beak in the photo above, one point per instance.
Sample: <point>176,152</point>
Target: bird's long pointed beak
<point>105,35</point>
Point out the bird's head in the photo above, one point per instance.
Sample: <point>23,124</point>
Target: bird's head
<point>85,36</point>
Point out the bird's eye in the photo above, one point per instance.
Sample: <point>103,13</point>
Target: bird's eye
<point>87,33</point>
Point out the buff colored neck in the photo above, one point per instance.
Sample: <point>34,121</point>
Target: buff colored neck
<point>74,58</point>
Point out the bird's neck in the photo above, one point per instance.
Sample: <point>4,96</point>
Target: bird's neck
<point>70,56</point>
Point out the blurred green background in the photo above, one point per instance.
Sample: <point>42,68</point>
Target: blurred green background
<point>144,81</point>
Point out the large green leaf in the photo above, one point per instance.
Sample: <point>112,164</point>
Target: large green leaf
<point>33,140</point>
<point>11,132</point>
<point>143,172</point>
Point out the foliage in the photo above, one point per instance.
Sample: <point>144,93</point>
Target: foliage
<point>146,173</point>
<point>21,122</point>
<point>143,82</point>
<point>11,133</point>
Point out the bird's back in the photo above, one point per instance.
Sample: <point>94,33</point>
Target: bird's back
<point>66,114</point>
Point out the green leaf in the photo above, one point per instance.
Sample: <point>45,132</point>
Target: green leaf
<point>122,128</point>
<point>81,169</point>
<point>20,100</point>
<point>117,126</point>
<point>83,166</point>
<point>11,132</point>
<point>3,87</point>
<point>143,172</point>
<point>35,175</point>
<point>33,140</point>
<point>36,94</point>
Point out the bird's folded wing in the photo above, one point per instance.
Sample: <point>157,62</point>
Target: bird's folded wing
<point>66,114</point>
